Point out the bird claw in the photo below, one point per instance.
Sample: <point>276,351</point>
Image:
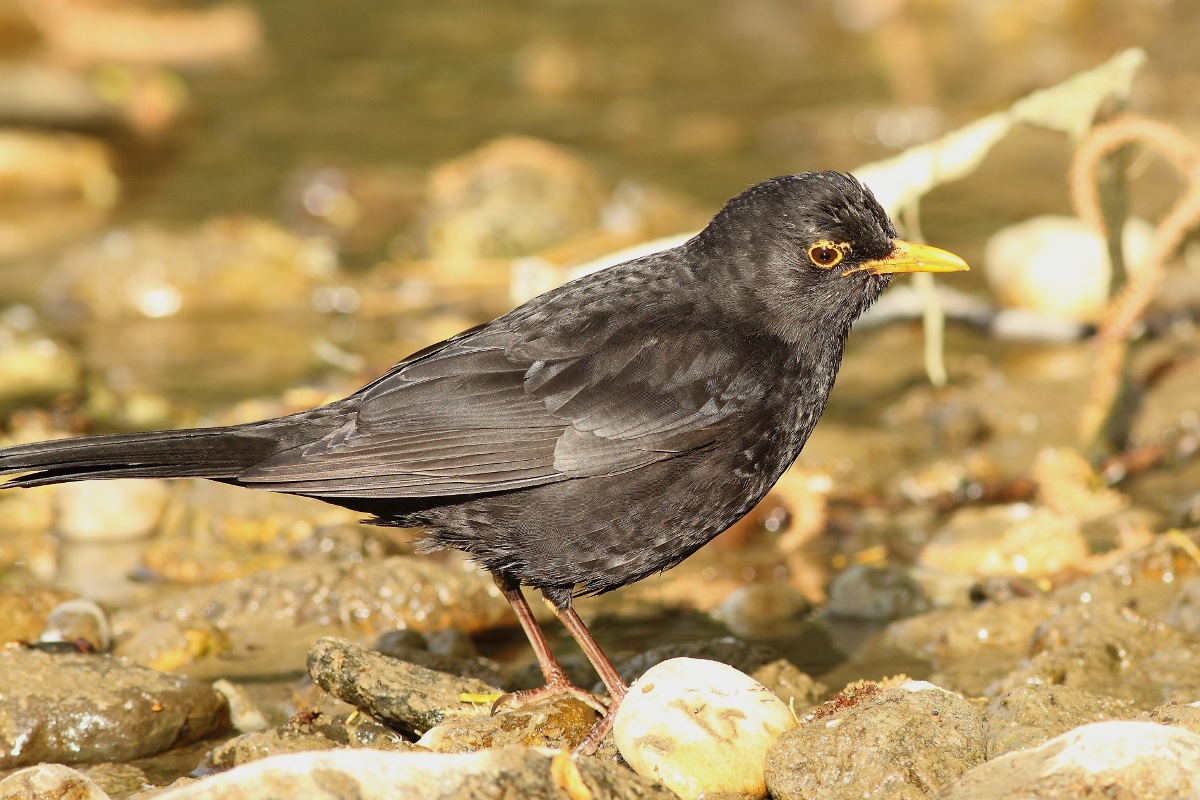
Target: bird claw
<point>524,697</point>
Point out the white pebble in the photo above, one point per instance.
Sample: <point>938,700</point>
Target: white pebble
<point>701,728</point>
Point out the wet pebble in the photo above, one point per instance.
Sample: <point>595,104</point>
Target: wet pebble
<point>257,745</point>
<point>407,695</point>
<point>1105,759</point>
<point>244,713</point>
<point>373,775</point>
<point>71,708</point>
<point>173,647</point>
<point>559,722</point>
<point>701,728</point>
<point>109,511</point>
<point>904,742</point>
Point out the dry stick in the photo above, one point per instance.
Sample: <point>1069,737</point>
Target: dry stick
<point>1125,309</point>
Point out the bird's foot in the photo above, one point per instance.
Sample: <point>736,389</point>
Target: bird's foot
<point>591,742</point>
<point>553,688</point>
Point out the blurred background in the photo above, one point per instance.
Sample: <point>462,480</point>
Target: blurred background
<point>214,213</point>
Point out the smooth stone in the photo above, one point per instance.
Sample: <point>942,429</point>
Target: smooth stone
<point>701,728</point>
<point>74,708</point>
<point>110,511</point>
<point>373,775</point>
<point>1105,759</point>
<point>904,742</point>
<point>50,782</point>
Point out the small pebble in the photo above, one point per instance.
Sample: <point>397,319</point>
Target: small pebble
<point>80,622</point>
<point>701,728</point>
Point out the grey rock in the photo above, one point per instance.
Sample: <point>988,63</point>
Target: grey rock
<point>410,696</point>
<point>905,742</point>
<point>74,708</point>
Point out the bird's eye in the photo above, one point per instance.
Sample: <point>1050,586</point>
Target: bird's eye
<point>825,254</point>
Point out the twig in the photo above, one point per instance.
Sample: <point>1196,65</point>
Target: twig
<point>1126,308</point>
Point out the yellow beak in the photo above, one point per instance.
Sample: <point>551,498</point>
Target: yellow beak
<point>912,257</point>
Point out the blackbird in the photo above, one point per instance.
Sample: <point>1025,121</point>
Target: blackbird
<point>599,433</point>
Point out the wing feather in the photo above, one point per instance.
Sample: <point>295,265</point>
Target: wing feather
<point>493,410</point>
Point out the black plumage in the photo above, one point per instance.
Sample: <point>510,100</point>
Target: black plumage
<point>597,434</point>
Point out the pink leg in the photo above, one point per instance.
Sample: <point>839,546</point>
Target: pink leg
<point>557,682</point>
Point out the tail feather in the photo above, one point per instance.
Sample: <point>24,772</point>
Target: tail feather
<point>217,453</point>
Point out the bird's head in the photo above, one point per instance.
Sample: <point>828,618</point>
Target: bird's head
<point>812,251</point>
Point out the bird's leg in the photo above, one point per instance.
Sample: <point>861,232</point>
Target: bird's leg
<point>617,689</point>
<point>557,682</point>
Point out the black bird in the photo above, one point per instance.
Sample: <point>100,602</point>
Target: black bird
<point>593,436</point>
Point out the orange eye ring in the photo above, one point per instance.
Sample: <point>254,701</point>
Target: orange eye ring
<point>826,254</point>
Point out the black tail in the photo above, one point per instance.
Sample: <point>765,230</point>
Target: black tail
<point>193,453</point>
